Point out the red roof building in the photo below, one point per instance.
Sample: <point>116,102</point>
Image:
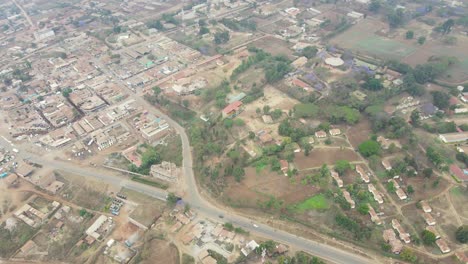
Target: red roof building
<point>462,175</point>
<point>232,109</point>
<point>301,84</point>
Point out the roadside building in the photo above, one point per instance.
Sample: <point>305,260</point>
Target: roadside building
<point>24,169</point>
<point>249,247</point>
<point>166,171</point>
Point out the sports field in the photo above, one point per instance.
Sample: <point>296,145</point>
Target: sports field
<point>362,38</point>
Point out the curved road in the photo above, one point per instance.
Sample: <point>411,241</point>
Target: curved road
<point>193,196</point>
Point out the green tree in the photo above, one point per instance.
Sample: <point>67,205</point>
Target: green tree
<point>396,18</point>
<point>428,238</point>
<point>408,255</point>
<point>66,92</point>
<point>251,135</point>
<point>374,6</point>
<point>309,52</point>
<point>221,37</point>
<point>462,234</point>
<point>410,189</point>
<point>421,40</point>
<point>171,199</point>
<point>363,209</point>
<point>238,173</point>
<point>447,26</point>
<point>369,148</point>
<point>409,34</point>
<point>341,166</point>
<point>441,99</point>
<point>203,31</point>
<point>427,172</point>
<point>415,118</point>
<point>228,123</point>
<point>373,84</point>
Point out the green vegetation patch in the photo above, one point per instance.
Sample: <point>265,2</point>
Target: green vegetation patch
<point>150,182</point>
<point>316,202</point>
<point>456,191</point>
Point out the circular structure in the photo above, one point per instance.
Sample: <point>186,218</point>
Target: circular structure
<point>335,62</point>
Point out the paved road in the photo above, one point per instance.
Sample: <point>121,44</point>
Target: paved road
<point>194,198</point>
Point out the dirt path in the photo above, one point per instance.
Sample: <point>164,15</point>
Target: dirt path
<point>25,14</point>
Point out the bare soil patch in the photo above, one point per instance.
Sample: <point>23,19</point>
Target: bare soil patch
<point>359,132</point>
<point>318,157</point>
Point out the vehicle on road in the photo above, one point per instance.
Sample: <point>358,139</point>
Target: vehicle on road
<point>254,225</point>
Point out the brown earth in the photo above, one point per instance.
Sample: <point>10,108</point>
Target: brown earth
<point>318,157</point>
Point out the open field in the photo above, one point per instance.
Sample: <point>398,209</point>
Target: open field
<point>359,133</point>
<point>86,193</point>
<point>320,156</point>
<point>160,252</point>
<point>459,199</point>
<point>362,38</point>
<point>274,46</point>
<point>259,186</point>
<point>317,202</point>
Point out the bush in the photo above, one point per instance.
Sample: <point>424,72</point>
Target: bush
<point>369,148</point>
<point>462,234</point>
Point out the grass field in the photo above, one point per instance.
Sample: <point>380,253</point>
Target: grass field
<point>361,38</point>
<point>316,202</point>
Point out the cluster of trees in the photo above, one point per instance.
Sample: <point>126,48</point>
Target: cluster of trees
<point>150,157</point>
<point>462,234</point>
<point>369,148</point>
<point>309,52</point>
<point>66,92</point>
<point>373,84</point>
<point>359,231</point>
<point>435,156</point>
<point>276,67</point>
<point>334,114</point>
<point>221,37</point>
<point>300,258</point>
<point>245,24</point>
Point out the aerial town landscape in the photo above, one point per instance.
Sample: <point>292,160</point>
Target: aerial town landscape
<point>234,131</point>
